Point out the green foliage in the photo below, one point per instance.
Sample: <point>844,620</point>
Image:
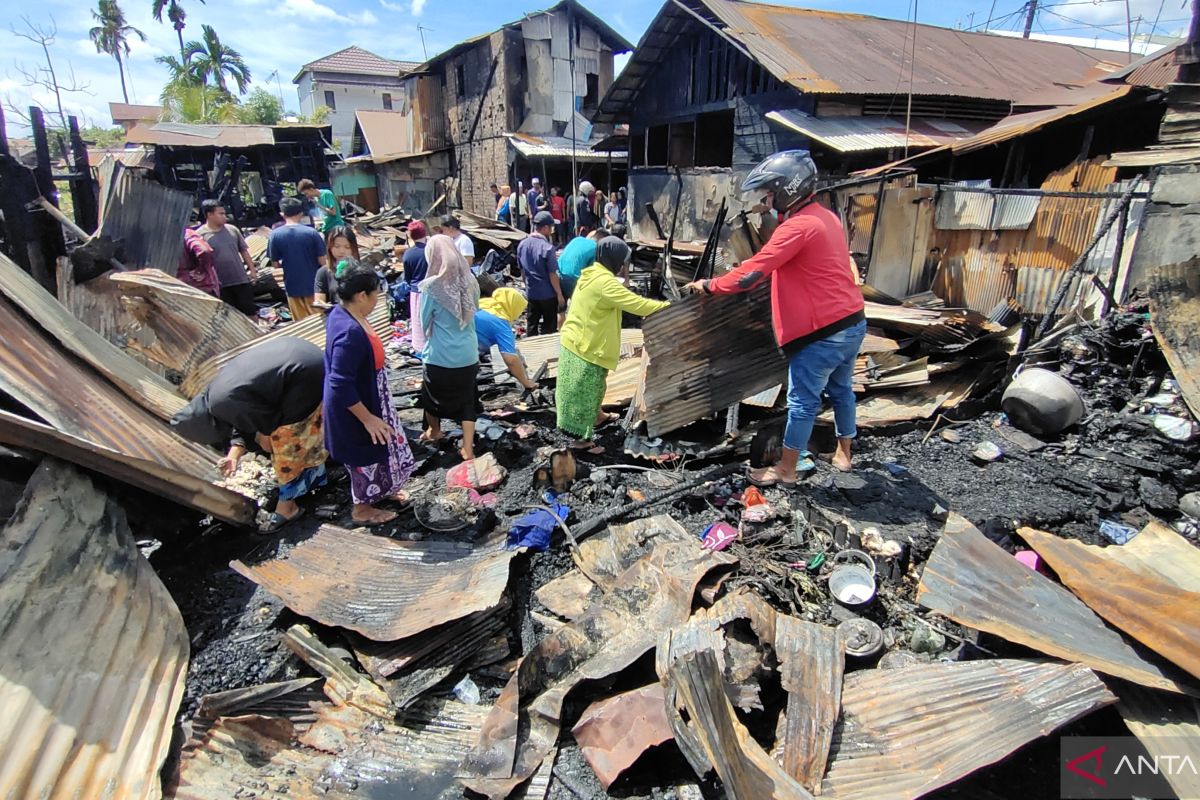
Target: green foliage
<point>112,34</point>
<point>260,108</point>
<point>209,58</point>
<point>103,137</point>
<point>186,101</point>
<point>319,116</point>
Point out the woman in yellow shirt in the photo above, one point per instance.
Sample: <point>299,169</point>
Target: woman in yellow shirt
<point>591,337</point>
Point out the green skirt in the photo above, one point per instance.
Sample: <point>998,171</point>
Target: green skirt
<point>580,391</point>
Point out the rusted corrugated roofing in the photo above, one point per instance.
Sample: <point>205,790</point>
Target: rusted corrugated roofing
<point>94,650</point>
<point>130,112</point>
<point>826,52</point>
<point>906,732</point>
<point>863,134</point>
<point>561,147</point>
<point>1155,71</point>
<point>179,134</point>
<point>976,583</point>
<point>148,217</point>
<point>383,588</point>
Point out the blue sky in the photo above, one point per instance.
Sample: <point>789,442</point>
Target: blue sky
<point>278,37</point>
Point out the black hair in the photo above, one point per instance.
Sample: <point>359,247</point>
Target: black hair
<point>356,278</point>
<point>451,221</point>
<point>207,207</point>
<point>618,230</point>
<point>291,206</point>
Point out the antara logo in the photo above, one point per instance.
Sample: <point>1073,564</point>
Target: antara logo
<point>1074,766</point>
<point>1156,765</point>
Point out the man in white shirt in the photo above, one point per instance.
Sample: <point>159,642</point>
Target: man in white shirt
<point>452,228</point>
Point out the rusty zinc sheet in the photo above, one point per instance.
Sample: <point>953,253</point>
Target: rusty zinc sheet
<point>1175,318</point>
<point>311,329</point>
<point>139,384</point>
<point>614,733</point>
<point>976,583</point>
<point>538,350</point>
<point>76,401</point>
<point>94,650</point>
<point>1167,725</point>
<point>383,588</point>
<point>707,353</point>
<point>149,218</point>
<point>1151,609</point>
<point>907,732</point>
<point>653,594</point>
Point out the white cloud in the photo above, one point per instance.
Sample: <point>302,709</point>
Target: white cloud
<point>417,7</point>
<point>314,11</point>
<point>394,6</point>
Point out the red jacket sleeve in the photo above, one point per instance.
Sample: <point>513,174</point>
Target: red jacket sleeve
<point>785,244</point>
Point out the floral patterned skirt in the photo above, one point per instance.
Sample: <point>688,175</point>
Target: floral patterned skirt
<point>298,456</point>
<point>375,482</point>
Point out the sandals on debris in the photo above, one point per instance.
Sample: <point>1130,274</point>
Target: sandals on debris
<point>279,521</point>
<point>768,477</point>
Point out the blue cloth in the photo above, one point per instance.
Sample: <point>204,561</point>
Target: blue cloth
<point>349,379</point>
<point>447,343</point>
<point>578,255</point>
<point>535,255</point>
<point>504,214</point>
<point>297,248</point>
<point>826,365</point>
<point>491,330</point>
<point>415,265</point>
<point>535,528</point>
<point>311,478</point>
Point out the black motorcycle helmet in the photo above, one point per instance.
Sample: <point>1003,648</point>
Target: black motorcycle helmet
<point>790,174</point>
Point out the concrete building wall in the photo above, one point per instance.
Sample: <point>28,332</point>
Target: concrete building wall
<point>350,93</point>
<point>413,183</point>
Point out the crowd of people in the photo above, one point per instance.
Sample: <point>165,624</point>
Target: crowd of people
<point>578,214</point>
<point>302,407</point>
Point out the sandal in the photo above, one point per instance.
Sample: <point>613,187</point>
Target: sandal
<point>375,523</point>
<point>279,521</point>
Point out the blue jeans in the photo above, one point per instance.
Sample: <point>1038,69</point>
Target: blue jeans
<point>826,365</point>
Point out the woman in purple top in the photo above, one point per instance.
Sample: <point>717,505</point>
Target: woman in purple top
<point>361,430</point>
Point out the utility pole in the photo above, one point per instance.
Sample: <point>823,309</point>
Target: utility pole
<point>1032,12</point>
<point>574,113</point>
<point>1128,28</point>
<point>421,30</point>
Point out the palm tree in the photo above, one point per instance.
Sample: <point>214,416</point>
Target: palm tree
<point>182,72</point>
<point>176,15</point>
<point>112,35</point>
<point>211,59</point>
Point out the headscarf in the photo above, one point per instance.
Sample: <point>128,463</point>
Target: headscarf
<point>196,422</point>
<point>612,253</point>
<point>504,303</point>
<point>449,279</point>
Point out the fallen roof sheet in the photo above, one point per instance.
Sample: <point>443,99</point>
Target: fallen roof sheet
<point>567,595</point>
<point>1161,553</point>
<point>148,217</point>
<point>538,350</point>
<point>94,650</point>
<point>383,588</point>
<point>1167,725</point>
<point>864,134</point>
<point>654,593</point>
<point>1150,608</point>
<point>1175,317</point>
<point>615,732</point>
<point>141,385</point>
<point>388,134</point>
<point>177,325</point>
<point>311,330</point>
<point>706,354</point>
<point>906,732</point>
<point>811,665</point>
<point>197,493</point>
<point>976,583</point>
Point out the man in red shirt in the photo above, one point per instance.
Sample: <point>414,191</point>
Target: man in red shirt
<point>558,210</point>
<point>196,264</point>
<point>816,305</point>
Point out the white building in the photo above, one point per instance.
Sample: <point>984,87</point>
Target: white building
<point>347,81</point>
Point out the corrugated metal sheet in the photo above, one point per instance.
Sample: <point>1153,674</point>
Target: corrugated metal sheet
<point>863,134</point>
<point>389,134</point>
<point>706,354</point>
<point>311,329</point>
<point>537,350</point>
<point>561,147</point>
<point>976,583</point>
<point>149,217</point>
<point>188,135</point>
<point>963,211</point>
<point>1014,212</point>
<point>906,732</point>
<point>1154,71</point>
<point>138,383</point>
<point>383,588</point>
<point>615,732</point>
<point>94,649</point>
<point>131,112</point>
<point>1166,725</point>
<point>1148,607</point>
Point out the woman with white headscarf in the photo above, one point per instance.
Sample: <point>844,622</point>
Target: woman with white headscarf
<point>450,297</point>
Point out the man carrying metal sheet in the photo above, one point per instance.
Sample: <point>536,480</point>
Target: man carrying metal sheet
<point>817,308</point>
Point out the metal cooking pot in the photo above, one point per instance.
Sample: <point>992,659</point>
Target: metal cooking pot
<point>1042,402</point>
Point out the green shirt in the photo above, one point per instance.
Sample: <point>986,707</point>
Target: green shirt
<point>592,329</point>
<point>326,200</point>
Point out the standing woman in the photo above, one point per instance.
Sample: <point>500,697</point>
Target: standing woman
<point>450,297</point>
<point>591,338</point>
<point>340,246</point>
<point>503,207</point>
<point>360,423</point>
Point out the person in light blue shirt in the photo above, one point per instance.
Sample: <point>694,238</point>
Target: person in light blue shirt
<point>578,255</point>
<point>493,328</point>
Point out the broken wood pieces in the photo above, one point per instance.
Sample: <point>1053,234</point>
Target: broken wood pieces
<point>654,593</point>
<point>384,589</point>
<point>976,583</point>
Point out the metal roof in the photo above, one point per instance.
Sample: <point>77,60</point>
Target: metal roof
<point>1156,71</point>
<point>181,134</point>
<point>825,52</point>
<point>129,112</point>
<point>354,60</point>
<point>388,134</point>
<point>561,147</point>
<point>861,134</point>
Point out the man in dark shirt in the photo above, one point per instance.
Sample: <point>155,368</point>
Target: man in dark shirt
<point>585,217</point>
<point>535,199</point>
<point>415,267</point>
<point>539,265</point>
<point>300,251</point>
<point>231,258</point>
